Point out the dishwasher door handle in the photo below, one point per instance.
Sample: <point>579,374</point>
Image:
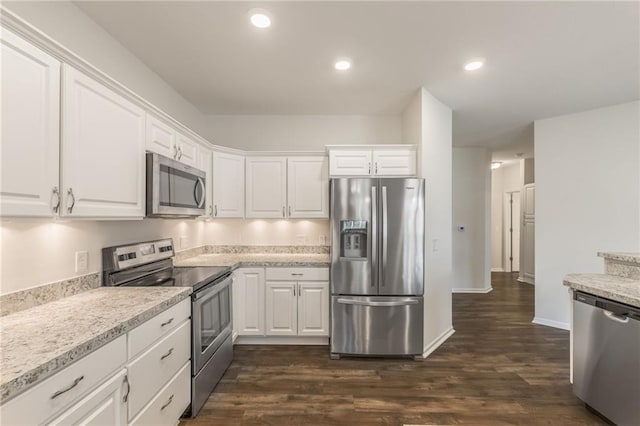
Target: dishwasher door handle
<point>614,317</point>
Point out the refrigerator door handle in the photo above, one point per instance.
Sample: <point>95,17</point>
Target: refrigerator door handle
<point>365,303</point>
<point>374,236</point>
<point>383,237</point>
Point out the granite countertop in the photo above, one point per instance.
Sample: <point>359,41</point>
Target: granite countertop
<point>612,287</point>
<point>237,260</point>
<point>621,257</point>
<point>40,341</point>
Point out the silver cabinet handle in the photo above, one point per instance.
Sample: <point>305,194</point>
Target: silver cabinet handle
<point>175,152</point>
<point>299,290</point>
<point>56,193</point>
<point>369,167</point>
<point>167,403</point>
<point>296,275</point>
<point>294,290</point>
<point>167,354</point>
<point>616,318</point>
<point>126,395</point>
<point>73,385</point>
<point>179,152</point>
<point>73,200</point>
<point>215,210</point>
<point>289,211</point>
<point>169,321</point>
<point>282,211</point>
<point>211,210</point>
<point>376,167</point>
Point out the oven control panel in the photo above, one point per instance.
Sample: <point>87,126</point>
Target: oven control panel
<point>121,257</point>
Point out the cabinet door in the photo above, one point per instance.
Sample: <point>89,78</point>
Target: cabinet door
<point>251,302</point>
<point>102,151</point>
<point>187,150</point>
<point>228,185</point>
<point>103,406</point>
<point>236,302</point>
<point>308,187</point>
<point>160,138</point>
<point>266,187</point>
<point>205,164</point>
<point>350,162</point>
<point>529,207</point>
<point>394,162</point>
<point>30,117</point>
<point>527,262</point>
<point>313,308</point>
<point>281,308</point>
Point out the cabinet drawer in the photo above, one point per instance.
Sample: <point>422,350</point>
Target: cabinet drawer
<point>160,325</point>
<point>155,367</point>
<point>169,404</point>
<point>40,402</point>
<point>297,274</point>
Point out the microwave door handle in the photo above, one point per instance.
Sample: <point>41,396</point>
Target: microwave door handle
<point>200,202</point>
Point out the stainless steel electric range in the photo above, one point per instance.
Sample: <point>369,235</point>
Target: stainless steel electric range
<point>151,264</point>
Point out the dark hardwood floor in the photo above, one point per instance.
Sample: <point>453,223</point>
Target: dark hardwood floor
<point>497,369</point>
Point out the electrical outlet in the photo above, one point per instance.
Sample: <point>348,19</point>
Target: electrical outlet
<point>82,261</point>
<point>435,244</point>
<point>184,242</point>
<point>322,240</point>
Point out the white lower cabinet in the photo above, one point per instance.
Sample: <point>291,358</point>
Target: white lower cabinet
<point>104,406</point>
<point>151,386</point>
<point>284,302</point>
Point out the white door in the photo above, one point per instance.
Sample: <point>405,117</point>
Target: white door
<point>511,231</point>
<point>30,123</point>
<point>528,251</point>
<point>313,308</point>
<point>160,137</point>
<point>350,162</point>
<point>308,187</point>
<point>187,150</point>
<point>103,406</point>
<point>103,147</point>
<point>251,302</point>
<point>281,309</point>
<point>266,187</point>
<point>205,164</point>
<point>529,200</point>
<point>228,185</point>
<point>394,162</point>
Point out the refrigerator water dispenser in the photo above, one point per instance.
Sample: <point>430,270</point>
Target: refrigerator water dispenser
<point>353,239</point>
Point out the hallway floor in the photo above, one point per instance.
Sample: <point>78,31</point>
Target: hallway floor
<point>497,369</point>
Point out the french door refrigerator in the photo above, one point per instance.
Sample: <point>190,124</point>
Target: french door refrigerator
<point>377,264</point>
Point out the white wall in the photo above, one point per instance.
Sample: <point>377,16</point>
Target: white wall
<point>587,173</point>
<point>471,209</point>
<point>504,179</point>
<point>302,132</point>
<point>36,252</point>
<point>68,25</point>
<point>428,123</point>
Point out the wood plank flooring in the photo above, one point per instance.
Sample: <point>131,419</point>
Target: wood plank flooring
<point>497,369</point>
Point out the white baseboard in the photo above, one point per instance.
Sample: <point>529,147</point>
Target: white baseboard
<point>497,269</point>
<point>471,290</point>
<point>435,344</point>
<point>281,340</point>
<point>551,323</point>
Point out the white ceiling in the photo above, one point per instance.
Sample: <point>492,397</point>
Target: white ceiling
<point>542,58</point>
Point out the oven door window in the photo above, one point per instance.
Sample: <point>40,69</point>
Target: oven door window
<point>179,189</point>
<point>215,317</point>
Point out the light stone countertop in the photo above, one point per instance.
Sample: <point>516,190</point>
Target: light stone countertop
<point>259,260</point>
<point>612,287</point>
<point>621,257</point>
<point>40,341</point>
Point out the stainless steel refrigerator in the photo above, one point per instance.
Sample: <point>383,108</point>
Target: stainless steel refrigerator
<point>377,265</point>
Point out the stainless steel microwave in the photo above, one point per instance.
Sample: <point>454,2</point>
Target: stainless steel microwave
<point>174,189</point>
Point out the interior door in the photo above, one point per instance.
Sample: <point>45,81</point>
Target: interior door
<point>353,215</point>
<point>401,213</point>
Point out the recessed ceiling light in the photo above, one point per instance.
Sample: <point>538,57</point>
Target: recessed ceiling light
<point>342,64</point>
<point>259,18</point>
<point>496,165</point>
<point>474,65</point>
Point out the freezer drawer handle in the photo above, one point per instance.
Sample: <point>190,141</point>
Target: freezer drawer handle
<point>616,318</point>
<point>364,303</point>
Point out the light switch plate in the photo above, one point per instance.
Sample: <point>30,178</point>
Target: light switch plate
<point>82,261</point>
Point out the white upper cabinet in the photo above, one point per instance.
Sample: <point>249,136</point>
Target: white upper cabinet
<point>228,185</point>
<point>30,84</point>
<point>161,138</point>
<point>103,143</point>
<point>373,161</point>
<point>308,187</point>
<point>187,150</point>
<point>350,162</point>
<point>205,164</point>
<point>266,187</point>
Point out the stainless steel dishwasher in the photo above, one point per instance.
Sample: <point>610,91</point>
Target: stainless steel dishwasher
<point>606,357</point>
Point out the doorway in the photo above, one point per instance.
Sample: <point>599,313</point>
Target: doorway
<point>511,231</point>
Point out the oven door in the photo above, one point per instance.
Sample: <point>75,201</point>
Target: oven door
<point>173,188</point>
<point>211,321</point>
